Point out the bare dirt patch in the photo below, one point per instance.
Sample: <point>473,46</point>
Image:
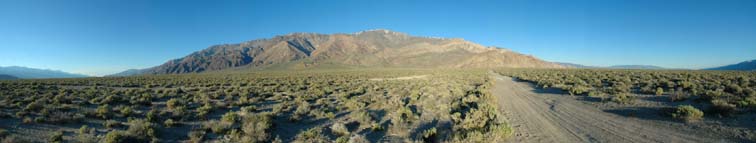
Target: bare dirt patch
<point>538,115</point>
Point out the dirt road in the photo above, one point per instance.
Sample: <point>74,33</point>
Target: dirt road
<point>537,116</point>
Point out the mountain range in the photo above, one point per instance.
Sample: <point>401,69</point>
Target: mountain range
<point>32,73</point>
<point>5,76</point>
<point>572,65</point>
<point>366,49</point>
<point>744,66</point>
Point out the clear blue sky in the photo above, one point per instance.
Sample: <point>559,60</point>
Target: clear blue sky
<point>99,37</point>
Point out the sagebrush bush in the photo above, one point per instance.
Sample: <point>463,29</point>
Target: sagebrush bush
<point>723,108</point>
<point>103,111</point>
<point>141,130</point>
<point>196,136</point>
<point>256,127</point>
<point>339,129</point>
<point>623,98</point>
<point>217,127</point>
<point>116,136</point>
<point>687,113</point>
<point>169,123</point>
<point>111,124</point>
<point>174,102</point>
<point>313,135</point>
<point>56,137</point>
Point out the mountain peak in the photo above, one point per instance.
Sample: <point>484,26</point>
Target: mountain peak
<point>370,48</point>
<point>379,31</point>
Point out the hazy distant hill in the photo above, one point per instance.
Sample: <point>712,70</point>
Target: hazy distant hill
<point>613,67</point>
<point>745,66</point>
<point>374,48</point>
<point>5,77</point>
<point>128,72</point>
<point>635,67</point>
<point>24,72</point>
<point>572,65</point>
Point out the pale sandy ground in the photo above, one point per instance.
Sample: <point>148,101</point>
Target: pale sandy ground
<point>540,116</point>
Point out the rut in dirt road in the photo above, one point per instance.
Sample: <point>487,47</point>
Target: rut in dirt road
<point>543,117</point>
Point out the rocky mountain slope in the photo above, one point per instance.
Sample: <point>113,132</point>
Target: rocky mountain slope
<point>373,49</point>
<point>745,66</point>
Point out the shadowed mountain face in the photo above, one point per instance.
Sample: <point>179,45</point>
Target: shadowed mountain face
<point>5,76</point>
<point>745,66</point>
<point>375,48</point>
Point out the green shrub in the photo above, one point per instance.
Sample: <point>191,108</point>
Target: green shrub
<point>358,139</point>
<point>141,130</point>
<point>230,117</point>
<point>116,136</point>
<point>376,127</point>
<point>429,135</point>
<point>86,138</point>
<point>217,127</point>
<point>152,115</point>
<point>126,111</point>
<point>597,94</point>
<point>39,119</point>
<point>577,90</point>
<point>56,137</point>
<point>3,133</point>
<point>313,135</point>
<point>339,129</point>
<point>174,102</point>
<point>687,113</point>
<point>659,91</point>
<point>170,123</point>
<point>723,108</point>
<point>255,128</point>
<point>204,110</point>
<point>623,98</point>
<point>103,111</point>
<point>27,120</point>
<point>342,139</point>
<point>111,124</point>
<point>248,109</point>
<point>84,129</point>
<point>196,136</point>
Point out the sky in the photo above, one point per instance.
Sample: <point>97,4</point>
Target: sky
<point>100,37</point>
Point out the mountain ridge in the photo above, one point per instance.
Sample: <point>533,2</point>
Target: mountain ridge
<point>743,66</point>
<point>370,48</point>
<point>7,77</point>
<point>33,73</point>
<point>612,66</point>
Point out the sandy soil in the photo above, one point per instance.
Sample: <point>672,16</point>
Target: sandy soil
<point>540,116</point>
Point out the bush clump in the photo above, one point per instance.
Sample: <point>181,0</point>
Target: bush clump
<point>313,135</point>
<point>687,113</point>
<point>623,98</point>
<point>139,131</point>
<point>723,108</point>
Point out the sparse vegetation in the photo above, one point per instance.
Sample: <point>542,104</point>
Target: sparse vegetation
<point>256,106</point>
<point>725,92</point>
